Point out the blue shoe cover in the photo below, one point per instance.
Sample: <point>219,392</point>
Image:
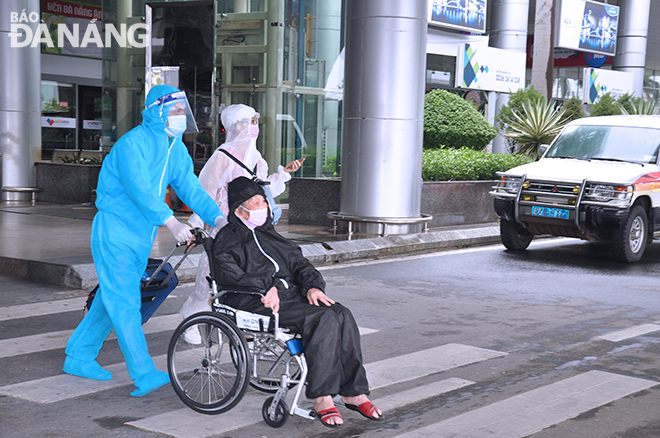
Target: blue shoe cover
<point>150,382</point>
<point>88,369</point>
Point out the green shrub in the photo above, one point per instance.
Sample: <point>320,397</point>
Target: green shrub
<point>573,109</point>
<point>516,102</point>
<point>638,105</point>
<point>466,164</point>
<point>626,104</point>
<point>453,122</point>
<point>606,106</point>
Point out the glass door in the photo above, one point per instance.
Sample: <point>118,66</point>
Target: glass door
<point>89,118</point>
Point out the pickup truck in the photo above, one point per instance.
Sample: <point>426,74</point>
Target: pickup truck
<point>599,181</point>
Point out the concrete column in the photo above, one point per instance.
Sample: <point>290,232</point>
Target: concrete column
<point>274,72</point>
<point>631,43</point>
<point>508,30</point>
<point>383,109</point>
<point>544,43</point>
<point>125,116</point>
<point>20,99</point>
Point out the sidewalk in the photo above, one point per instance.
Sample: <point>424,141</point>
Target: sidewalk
<point>50,243</point>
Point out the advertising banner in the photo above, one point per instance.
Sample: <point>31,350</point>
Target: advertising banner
<point>93,124</point>
<point>81,20</point>
<point>490,69</point>
<point>598,82</point>
<point>587,26</point>
<point>469,15</point>
<point>58,122</point>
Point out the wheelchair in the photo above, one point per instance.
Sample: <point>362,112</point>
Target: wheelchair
<point>237,349</point>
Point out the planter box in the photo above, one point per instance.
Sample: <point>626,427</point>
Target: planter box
<point>458,203</point>
<point>310,199</point>
<point>63,183</point>
<point>450,203</point>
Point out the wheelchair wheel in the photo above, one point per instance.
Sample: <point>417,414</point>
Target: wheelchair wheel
<point>210,377</point>
<point>280,415</point>
<point>269,357</point>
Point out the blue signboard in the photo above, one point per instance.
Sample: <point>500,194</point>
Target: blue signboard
<point>469,15</point>
<point>588,26</point>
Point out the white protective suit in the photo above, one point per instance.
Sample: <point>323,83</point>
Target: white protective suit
<point>216,174</point>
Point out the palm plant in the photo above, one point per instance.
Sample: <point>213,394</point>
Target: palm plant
<point>537,122</point>
<point>641,106</point>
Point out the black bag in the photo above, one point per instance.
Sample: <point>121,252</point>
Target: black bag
<point>153,293</point>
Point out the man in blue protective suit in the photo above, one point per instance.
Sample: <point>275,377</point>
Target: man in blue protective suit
<point>130,202</point>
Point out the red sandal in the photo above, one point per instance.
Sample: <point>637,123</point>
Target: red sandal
<point>326,414</point>
<point>367,409</point>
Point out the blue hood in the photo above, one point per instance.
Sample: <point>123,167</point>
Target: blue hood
<point>152,117</point>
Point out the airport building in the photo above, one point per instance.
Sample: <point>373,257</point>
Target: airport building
<point>74,73</point>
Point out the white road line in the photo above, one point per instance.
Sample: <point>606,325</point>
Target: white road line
<point>64,386</point>
<point>54,340</point>
<point>422,363</point>
<point>186,423</point>
<point>630,332</point>
<point>39,309</point>
<point>533,411</point>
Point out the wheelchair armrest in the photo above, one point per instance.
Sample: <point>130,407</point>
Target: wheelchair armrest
<point>222,289</point>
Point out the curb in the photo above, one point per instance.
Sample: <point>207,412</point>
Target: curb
<point>83,276</point>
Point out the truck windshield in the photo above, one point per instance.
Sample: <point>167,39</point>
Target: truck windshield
<point>617,143</point>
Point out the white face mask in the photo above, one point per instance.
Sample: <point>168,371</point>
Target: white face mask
<point>257,217</point>
<point>176,125</point>
<point>254,131</point>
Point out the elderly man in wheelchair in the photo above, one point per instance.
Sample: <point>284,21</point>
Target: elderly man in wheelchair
<point>272,285</point>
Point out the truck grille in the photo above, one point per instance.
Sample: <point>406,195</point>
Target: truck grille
<point>545,187</point>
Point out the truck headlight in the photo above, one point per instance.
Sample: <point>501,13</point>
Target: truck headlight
<point>607,192</point>
<point>509,184</point>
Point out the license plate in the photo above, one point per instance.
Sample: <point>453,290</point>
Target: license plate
<point>558,213</point>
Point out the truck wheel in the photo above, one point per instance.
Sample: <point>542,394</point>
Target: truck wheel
<point>629,240</point>
<point>514,237</point>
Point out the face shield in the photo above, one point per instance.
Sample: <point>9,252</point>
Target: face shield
<point>176,104</point>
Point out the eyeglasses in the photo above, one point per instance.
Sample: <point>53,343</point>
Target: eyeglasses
<point>254,120</point>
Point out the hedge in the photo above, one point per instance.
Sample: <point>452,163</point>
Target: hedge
<point>466,164</point>
<point>453,122</point>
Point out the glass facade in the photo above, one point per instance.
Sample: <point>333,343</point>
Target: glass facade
<point>58,117</point>
<point>652,85</point>
<point>274,55</point>
<point>567,83</point>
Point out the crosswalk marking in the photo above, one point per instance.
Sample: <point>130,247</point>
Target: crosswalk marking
<point>58,339</point>
<point>54,340</point>
<point>380,374</point>
<point>64,386</point>
<point>186,423</point>
<point>517,416</point>
<point>630,332</point>
<point>538,409</point>
<point>40,309</point>
<point>422,363</point>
